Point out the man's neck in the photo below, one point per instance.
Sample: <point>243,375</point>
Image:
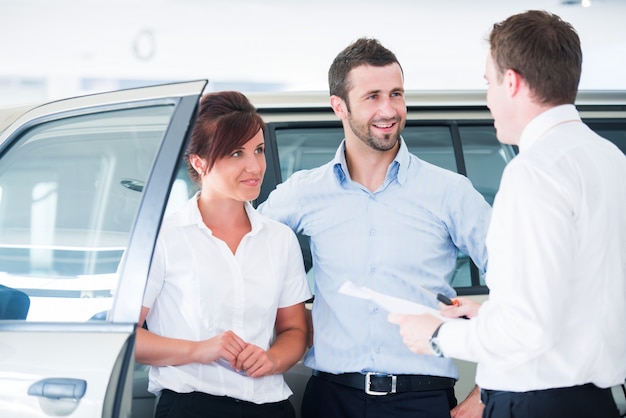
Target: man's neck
<point>368,166</point>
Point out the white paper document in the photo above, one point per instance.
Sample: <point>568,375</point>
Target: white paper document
<point>389,303</point>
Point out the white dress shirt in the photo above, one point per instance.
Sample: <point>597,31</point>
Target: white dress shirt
<point>197,288</point>
<point>557,265</point>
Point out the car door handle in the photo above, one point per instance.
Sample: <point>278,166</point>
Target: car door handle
<point>59,388</point>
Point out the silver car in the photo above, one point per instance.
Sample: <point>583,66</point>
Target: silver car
<point>85,183</point>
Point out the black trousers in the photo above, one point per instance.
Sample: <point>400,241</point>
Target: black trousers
<point>202,405</point>
<point>323,399</point>
<point>585,401</point>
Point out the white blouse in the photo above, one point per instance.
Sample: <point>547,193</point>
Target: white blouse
<point>197,288</point>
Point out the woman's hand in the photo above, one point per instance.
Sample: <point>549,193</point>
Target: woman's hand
<point>226,345</point>
<point>255,362</point>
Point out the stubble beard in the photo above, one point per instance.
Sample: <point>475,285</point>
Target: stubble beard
<point>383,143</point>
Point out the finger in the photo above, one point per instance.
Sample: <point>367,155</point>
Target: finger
<point>262,365</point>
<point>234,343</point>
<point>235,340</point>
<point>451,312</point>
<point>245,358</point>
<point>396,318</point>
<point>259,369</point>
<point>443,307</point>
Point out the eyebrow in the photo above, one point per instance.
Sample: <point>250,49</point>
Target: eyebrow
<point>379,91</point>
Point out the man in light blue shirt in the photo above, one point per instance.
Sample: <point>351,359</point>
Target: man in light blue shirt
<point>380,217</point>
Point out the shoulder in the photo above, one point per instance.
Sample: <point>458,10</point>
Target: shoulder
<point>311,175</point>
<point>273,227</point>
<point>184,216</point>
<point>431,172</point>
<point>302,185</point>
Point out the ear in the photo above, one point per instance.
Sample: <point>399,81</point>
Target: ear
<point>339,107</point>
<point>514,82</point>
<point>197,163</point>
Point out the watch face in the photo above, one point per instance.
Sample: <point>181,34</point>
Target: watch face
<point>434,346</point>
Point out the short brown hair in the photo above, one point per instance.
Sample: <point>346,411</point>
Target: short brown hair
<point>361,52</point>
<point>544,50</point>
<point>226,121</point>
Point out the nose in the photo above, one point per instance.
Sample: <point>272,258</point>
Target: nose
<point>387,109</point>
<point>255,163</point>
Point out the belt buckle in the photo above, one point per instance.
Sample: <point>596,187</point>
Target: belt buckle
<point>368,383</point>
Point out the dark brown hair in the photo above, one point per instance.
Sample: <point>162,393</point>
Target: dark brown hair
<point>544,50</point>
<point>363,51</point>
<point>226,121</point>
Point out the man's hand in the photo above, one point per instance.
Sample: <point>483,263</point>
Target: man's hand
<point>465,308</point>
<point>471,407</point>
<point>416,330</point>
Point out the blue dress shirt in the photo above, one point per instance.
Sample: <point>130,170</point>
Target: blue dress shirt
<point>405,234</point>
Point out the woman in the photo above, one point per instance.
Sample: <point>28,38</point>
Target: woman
<point>224,302</point>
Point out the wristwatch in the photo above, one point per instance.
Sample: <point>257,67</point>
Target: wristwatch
<point>434,342</point>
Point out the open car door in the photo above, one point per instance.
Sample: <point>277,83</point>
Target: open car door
<point>83,187</point>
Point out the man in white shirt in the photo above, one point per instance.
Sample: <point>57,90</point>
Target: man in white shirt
<point>550,340</point>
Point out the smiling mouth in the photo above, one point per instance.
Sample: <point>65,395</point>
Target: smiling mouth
<point>251,182</point>
<point>384,125</point>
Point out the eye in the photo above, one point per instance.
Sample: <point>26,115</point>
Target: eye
<point>236,154</point>
<point>372,97</point>
<point>260,150</point>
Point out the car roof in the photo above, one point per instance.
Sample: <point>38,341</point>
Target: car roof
<point>319,100</point>
<point>11,114</point>
<point>420,98</point>
<point>8,115</point>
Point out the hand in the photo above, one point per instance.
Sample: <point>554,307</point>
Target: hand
<point>466,307</point>
<point>226,345</point>
<point>255,362</point>
<point>471,407</point>
<point>416,330</point>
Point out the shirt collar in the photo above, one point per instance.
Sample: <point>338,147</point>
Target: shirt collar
<point>547,120</point>
<point>191,215</point>
<point>397,169</point>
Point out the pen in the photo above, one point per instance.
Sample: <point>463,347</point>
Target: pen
<point>442,298</point>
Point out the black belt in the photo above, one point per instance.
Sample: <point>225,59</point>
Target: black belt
<point>487,394</point>
<point>382,384</point>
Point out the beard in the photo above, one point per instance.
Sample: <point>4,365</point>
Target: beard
<point>383,142</point>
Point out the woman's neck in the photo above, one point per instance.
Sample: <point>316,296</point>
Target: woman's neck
<point>227,219</point>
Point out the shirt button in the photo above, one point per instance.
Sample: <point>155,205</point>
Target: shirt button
<point>373,270</point>
<point>372,232</point>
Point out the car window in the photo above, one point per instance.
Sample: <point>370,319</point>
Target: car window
<point>306,148</point>
<point>183,189</point>
<point>614,132</point>
<point>69,192</point>
<point>485,158</point>
<point>432,144</point>
<point>482,158</point>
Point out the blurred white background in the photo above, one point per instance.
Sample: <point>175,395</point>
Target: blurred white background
<point>58,48</point>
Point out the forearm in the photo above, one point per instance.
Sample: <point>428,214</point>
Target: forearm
<point>156,350</point>
<point>288,349</point>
